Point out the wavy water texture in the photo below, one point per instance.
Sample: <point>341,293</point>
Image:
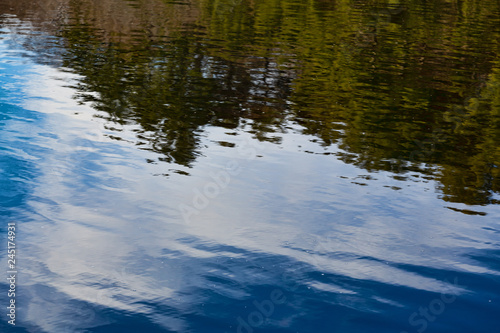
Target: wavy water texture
<point>251,166</point>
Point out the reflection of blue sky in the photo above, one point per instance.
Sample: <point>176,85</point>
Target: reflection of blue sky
<point>18,154</point>
<point>103,235</point>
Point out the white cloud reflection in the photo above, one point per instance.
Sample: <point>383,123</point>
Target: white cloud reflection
<point>107,232</point>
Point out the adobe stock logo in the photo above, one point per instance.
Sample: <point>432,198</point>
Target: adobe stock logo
<point>425,315</point>
<point>219,180</point>
<point>264,310</point>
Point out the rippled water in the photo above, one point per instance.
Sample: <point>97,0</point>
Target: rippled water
<point>251,166</point>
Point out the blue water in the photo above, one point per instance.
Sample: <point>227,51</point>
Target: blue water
<point>286,242</point>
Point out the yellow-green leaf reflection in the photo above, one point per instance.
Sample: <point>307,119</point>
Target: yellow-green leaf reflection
<point>399,86</point>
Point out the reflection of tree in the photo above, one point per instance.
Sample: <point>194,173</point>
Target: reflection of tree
<point>390,93</point>
<point>474,173</point>
<point>162,90</point>
<point>391,85</point>
<point>173,88</point>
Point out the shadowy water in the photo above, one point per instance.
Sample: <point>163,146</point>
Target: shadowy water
<point>252,166</point>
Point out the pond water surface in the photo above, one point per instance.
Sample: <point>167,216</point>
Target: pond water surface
<point>251,166</point>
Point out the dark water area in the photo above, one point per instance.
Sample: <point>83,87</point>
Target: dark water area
<point>250,166</point>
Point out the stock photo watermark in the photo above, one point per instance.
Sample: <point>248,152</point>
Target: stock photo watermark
<point>425,315</point>
<point>226,7</point>
<point>220,179</point>
<point>11,272</point>
<point>264,309</point>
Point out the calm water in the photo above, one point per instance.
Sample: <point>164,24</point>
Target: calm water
<point>251,166</point>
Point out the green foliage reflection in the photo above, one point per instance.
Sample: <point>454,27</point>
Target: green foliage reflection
<point>401,86</point>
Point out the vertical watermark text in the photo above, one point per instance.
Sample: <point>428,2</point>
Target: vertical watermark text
<point>11,272</point>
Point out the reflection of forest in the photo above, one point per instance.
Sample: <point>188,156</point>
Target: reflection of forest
<point>402,88</point>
